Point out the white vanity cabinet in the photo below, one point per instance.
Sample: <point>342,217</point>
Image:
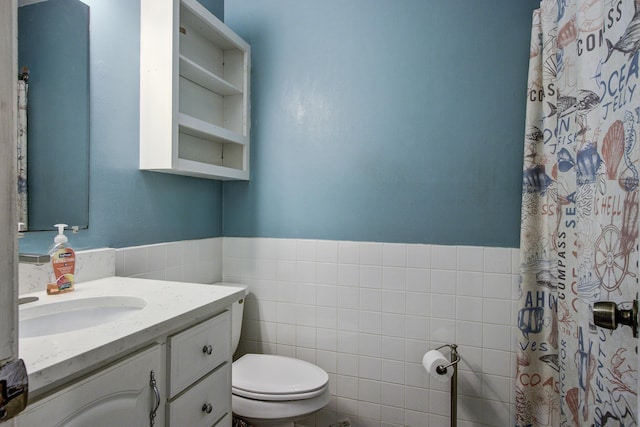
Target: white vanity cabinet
<point>184,379</point>
<point>120,395</point>
<point>194,92</point>
<point>199,379</point>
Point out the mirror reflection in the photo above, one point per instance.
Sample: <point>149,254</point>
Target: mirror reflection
<point>53,44</point>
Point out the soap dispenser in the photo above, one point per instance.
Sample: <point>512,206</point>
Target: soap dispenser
<point>62,264</point>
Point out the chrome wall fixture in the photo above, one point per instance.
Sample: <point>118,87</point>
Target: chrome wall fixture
<point>442,370</point>
<point>607,314</point>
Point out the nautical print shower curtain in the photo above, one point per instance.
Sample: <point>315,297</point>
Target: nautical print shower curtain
<point>23,87</point>
<point>579,235</point>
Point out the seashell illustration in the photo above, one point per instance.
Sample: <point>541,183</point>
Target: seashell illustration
<point>550,67</point>
<point>591,16</point>
<point>613,148</point>
<point>567,33</point>
<point>522,359</point>
<point>573,402</point>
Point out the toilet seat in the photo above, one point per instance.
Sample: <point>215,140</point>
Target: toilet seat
<point>277,378</point>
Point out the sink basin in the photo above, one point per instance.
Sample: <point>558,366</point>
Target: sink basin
<point>73,315</point>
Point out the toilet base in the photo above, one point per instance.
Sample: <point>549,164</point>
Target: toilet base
<point>268,423</point>
<point>277,413</point>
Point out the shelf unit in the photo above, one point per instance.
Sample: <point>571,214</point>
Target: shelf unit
<point>194,92</point>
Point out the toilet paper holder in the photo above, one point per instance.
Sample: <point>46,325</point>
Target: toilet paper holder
<point>455,358</point>
<point>442,370</point>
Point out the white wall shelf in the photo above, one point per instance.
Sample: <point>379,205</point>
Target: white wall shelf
<point>194,92</point>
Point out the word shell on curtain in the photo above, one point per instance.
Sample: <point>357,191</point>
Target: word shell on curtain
<point>579,233</point>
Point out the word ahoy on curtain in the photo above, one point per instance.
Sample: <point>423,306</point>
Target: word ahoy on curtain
<point>579,229</point>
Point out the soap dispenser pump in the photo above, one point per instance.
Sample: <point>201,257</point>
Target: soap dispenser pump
<point>63,263</point>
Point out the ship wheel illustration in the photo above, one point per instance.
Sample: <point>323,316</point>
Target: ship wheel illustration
<point>612,262</point>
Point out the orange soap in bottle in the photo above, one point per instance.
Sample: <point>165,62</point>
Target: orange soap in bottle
<point>63,264</point>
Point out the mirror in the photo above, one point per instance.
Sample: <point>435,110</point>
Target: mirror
<point>53,43</point>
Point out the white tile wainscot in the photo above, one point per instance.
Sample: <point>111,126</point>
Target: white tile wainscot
<point>197,261</point>
<point>90,265</point>
<point>367,312</point>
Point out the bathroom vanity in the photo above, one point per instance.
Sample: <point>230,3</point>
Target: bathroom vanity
<point>162,357</point>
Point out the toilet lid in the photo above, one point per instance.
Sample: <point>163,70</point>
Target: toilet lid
<point>269,377</point>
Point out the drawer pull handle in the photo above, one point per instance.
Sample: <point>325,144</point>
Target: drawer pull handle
<point>207,349</point>
<point>156,393</point>
<point>207,408</point>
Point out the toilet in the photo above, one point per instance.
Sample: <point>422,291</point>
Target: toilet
<point>269,390</point>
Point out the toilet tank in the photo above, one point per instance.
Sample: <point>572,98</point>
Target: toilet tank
<point>237,309</point>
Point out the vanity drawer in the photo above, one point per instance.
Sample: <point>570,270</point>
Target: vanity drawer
<point>190,409</point>
<point>198,350</point>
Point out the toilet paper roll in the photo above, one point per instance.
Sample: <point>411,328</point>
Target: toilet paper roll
<point>431,360</point>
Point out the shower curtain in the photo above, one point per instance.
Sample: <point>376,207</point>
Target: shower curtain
<point>23,87</point>
<point>579,234</point>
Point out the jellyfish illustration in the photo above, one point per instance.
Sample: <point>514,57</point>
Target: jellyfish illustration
<point>613,148</point>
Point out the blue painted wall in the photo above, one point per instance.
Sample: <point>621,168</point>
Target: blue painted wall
<point>127,206</point>
<point>381,120</point>
<point>376,120</point>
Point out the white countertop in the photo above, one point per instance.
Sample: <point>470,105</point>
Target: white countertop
<point>53,360</point>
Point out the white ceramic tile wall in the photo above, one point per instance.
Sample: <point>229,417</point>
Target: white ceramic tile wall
<point>367,312</point>
<point>197,261</point>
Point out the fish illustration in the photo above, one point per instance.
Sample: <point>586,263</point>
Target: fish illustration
<point>534,134</point>
<point>565,161</point>
<point>536,180</point>
<point>588,160</point>
<point>587,101</point>
<point>566,105</point>
<point>551,360</point>
<point>629,42</point>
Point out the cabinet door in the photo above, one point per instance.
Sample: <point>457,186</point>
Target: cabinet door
<point>120,395</point>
